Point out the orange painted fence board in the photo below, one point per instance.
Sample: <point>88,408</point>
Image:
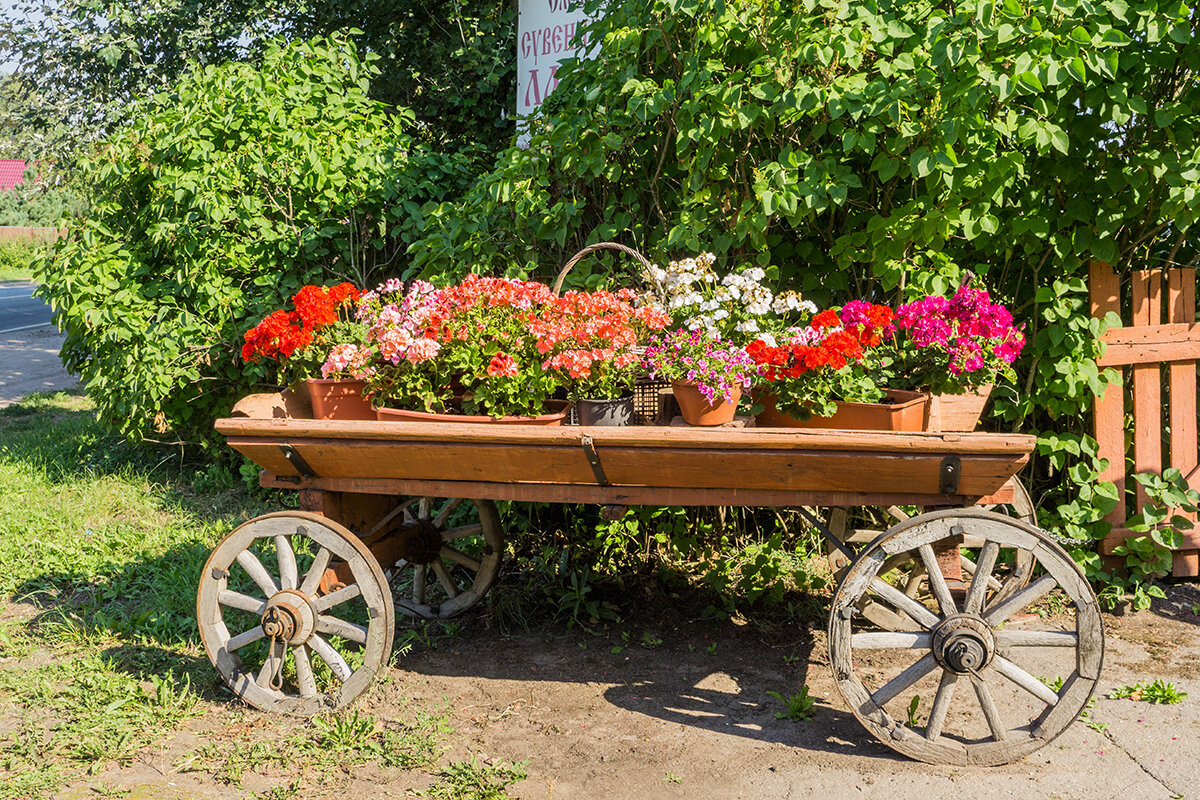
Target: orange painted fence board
<point>1153,354</point>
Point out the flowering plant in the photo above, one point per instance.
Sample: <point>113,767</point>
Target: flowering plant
<point>716,367</point>
<point>301,340</point>
<point>836,357</point>
<point>591,338</point>
<point>737,306</point>
<point>950,345</point>
<point>467,347</point>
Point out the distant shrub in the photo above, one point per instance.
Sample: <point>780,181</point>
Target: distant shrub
<point>219,201</point>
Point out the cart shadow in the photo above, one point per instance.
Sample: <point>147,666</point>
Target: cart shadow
<point>725,693</point>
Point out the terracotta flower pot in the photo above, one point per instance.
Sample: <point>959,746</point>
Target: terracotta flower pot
<point>338,399</point>
<point>958,412</point>
<point>612,411</point>
<point>696,410</point>
<point>560,410</point>
<point>904,412</point>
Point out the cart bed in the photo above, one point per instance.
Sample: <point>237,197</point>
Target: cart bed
<point>632,465</point>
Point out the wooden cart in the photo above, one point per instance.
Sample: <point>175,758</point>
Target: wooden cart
<point>935,604</point>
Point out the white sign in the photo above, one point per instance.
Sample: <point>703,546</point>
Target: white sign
<point>544,38</point>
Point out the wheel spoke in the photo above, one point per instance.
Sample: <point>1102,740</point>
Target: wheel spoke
<point>245,638</point>
<point>980,581</point>
<point>1022,599</point>
<point>1014,638</point>
<point>937,581</point>
<point>941,704</point>
<point>272,665</point>
<point>443,577</point>
<point>990,712</point>
<point>1023,679</point>
<point>919,613</point>
<point>332,658</point>
<point>461,531</point>
<point>391,515</point>
<point>424,507</point>
<point>243,601</point>
<point>969,568</point>
<point>304,671</point>
<point>891,641</point>
<point>905,679</point>
<point>288,577</point>
<point>342,628</point>
<point>328,601</point>
<point>312,578</point>
<point>446,511</point>
<point>419,584</point>
<point>257,572</point>
<point>459,558</point>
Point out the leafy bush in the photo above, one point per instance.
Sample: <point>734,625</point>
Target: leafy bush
<point>40,202</point>
<point>16,259</point>
<point>878,150</point>
<point>218,202</point>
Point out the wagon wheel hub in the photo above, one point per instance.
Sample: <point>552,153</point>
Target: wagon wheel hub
<point>289,617</point>
<point>963,644</point>
<point>422,541</point>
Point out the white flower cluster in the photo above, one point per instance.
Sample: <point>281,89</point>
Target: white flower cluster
<point>790,301</point>
<point>691,290</point>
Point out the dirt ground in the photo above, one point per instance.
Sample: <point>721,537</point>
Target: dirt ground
<point>605,716</point>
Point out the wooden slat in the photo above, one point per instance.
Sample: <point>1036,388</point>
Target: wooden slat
<point>292,430</point>
<point>1110,408</point>
<point>1191,539</point>
<point>1182,305</point>
<point>1186,564</point>
<point>608,495</point>
<point>1147,382</point>
<point>712,467</point>
<point>1174,341</point>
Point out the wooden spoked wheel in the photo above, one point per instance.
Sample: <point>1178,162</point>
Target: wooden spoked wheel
<point>844,524</point>
<point>278,641</point>
<point>452,560</point>
<point>992,683</point>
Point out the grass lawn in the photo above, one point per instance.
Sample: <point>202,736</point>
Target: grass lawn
<point>101,668</point>
<point>15,276</point>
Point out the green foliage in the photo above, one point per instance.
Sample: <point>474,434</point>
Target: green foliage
<point>450,61</point>
<point>77,65</point>
<point>1157,691</point>
<point>16,259</point>
<point>877,150</point>
<point>471,780</point>
<point>912,718</point>
<point>798,707</point>
<point>212,208</point>
<point>40,202</point>
<point>1148,556</point>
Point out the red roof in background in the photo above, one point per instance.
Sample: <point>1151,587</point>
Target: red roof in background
<point>12,172</point>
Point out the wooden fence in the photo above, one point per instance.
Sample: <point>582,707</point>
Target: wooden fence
<point>1154,355</point>
<point>13,233</point>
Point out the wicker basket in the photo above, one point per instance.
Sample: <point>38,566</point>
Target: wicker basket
<point>649,405</point>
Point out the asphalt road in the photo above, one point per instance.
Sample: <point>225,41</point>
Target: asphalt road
<point>29,346</point>
<point>19,309</point>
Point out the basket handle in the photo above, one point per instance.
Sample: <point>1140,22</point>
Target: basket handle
<point>591,248</point>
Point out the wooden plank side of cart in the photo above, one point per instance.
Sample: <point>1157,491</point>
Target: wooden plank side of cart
<point>630,466</point>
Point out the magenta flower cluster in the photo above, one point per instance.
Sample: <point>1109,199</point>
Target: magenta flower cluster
<point>693,356</point>
<point>975,333</point>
